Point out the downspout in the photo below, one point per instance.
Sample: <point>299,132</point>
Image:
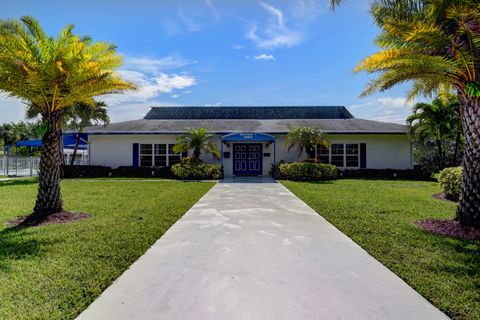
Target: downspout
<point>274,159</point>
<point>221,156</point>
<point>411,155</point>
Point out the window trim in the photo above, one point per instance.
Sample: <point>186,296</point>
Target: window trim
<point>167,154</point>
<point>344,166</point>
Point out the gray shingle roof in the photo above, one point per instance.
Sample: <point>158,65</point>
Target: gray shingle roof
<point>246,112</point>
<point>351,125</point>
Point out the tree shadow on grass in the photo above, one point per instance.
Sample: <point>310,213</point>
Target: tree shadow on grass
<point>466,259</point>
<point>18,182</point>
<point>17,244</point>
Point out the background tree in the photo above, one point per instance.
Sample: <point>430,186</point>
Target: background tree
<point>433,43</point>
<point>51,74</point>
<point>438,121</point>
<point>198,141</point>
<point>306,139</point>
<point>11,133</point>
<point>8,136</point>
<point>83,115</point>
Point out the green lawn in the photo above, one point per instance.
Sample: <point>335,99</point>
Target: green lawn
<point>55,271</point>
<point>379,215</point>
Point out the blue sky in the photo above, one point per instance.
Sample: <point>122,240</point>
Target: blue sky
<point>213,52</point>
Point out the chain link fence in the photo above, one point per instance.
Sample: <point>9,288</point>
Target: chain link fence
<point>28,166</point>
<point>19,166</point>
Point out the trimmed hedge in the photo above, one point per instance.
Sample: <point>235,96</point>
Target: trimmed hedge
<point>104,172</point>
<point>86,171</point>
<point>450,180</point>
<point>386,174</point>
<point>418,173</point>
<point>190,169</point>
<point>303,171</point>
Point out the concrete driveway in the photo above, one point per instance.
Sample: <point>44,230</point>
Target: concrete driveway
<point>250,249</point>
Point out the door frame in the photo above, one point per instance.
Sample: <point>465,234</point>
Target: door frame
<point>260,171</point>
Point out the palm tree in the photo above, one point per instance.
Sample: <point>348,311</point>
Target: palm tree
<point>440,120</point>
<point>306,139</point>
<point>8,136</point>
<point>52,74</point>
<point>198,140</point>
<point>434,43</point>
<point>83,115</point>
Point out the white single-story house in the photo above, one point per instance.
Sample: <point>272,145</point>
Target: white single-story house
<point>251,139</point>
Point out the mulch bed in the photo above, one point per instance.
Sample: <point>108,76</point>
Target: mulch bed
<point>59,217</point>
<point>442,196</point>
<point>449,228</point>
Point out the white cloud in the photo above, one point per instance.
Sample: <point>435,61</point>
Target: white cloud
<point>152,80</point>
<point>170,26</point>
<point>133,111</point>
<point>264,56</point>
<point>154,65</point>
<point>149,87</point>
<point>188,22</point>
<point>11,109</point>
<point>308,10</point>
<point>387,109</point>
<point>275,33</point>
<point>212,8</point>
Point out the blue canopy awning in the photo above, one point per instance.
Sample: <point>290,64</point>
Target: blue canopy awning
<point>68,142</point>
<point>30,143</point>
<point>248,136</point>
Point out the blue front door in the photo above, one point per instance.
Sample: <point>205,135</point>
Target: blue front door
<point>247,158</point>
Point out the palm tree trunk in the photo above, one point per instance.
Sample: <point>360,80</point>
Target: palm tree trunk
<point>49,199</point>
<point>468,212</point>
<point>440,151</point>
<point>455,153</point>
<point>75,148</point>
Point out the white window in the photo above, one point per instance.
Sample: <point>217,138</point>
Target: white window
<point>342,155</point>
<point>146,158</point>
<point>338,151</point>
<point>352,155</point>
<point>173,157</point>
<point>323,154</point>
<point>158,155</point>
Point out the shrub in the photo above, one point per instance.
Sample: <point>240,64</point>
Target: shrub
<point>391,174</point>
<point>450,180</point>
<point>142,172</point>
<point>306,171</point>
<point>194,169</point>
<point>86,171</point>
<point>312,160</point>
<point>105,172</point>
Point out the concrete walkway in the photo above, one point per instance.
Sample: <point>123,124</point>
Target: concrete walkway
<point>250,249</point>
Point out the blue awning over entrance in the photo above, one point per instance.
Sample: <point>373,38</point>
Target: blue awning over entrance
<point>68,142</point>
<point>248,136</point>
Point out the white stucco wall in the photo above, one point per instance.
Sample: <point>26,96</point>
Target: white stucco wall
<point>383,151</point>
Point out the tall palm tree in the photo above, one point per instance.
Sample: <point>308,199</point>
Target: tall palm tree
<point>8,136</point>
<point>439,120</point>
<point>306,139</point>
<point>433,43</point>
<point>198,140</point>
<point>83,115</point>
<point>51,74</point>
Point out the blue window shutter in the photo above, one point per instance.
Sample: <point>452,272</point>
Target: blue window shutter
<point>363,155</point>
<point>135,155</point>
